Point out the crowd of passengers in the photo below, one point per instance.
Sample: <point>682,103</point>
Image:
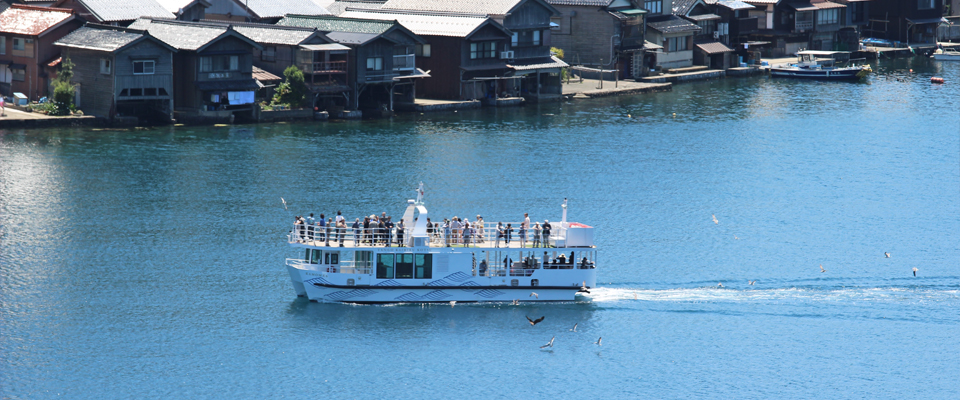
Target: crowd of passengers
<point>531,262</point>
<point>382,231</point>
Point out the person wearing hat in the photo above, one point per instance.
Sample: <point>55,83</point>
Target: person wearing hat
<point>546,233</point>
<point>479,227</point>
<point>536,234</point>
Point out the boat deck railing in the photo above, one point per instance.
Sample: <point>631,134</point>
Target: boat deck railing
<point>488,237</point>
<point>343,267</point>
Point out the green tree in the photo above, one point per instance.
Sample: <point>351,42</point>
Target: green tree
<point>64,91</point>
<point>293,90</point>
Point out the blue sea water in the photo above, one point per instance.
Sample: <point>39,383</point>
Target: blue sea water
<point>149,263</point>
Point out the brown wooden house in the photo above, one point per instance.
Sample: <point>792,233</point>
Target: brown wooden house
<point>27,34</point>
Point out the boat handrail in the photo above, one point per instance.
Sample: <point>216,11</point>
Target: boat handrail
<point>375,237</point>
<point>344,266</point>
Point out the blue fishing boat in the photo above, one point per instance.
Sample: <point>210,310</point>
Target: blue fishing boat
<point>821,65</point>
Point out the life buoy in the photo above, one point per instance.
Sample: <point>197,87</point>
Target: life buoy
<point>936,80</point>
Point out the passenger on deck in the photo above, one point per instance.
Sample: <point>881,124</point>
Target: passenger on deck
<point>499,233</point>
<point>479,228</point>
<point>446,232</point>
<point>388,231</point>
<point>508,233</point>
<point>321,228</point>
<point>507,262</point>
<point>341,230</point>
<point>382,231</point>
<point>455,228</point>
<point>536,234</point>
<point>562,259</point>
<point>310,224</point>
<point>366,230</point>
<point>525,225</point>
<point>298,228</point>
<point>546,259</point>
<point>572,258</point>
<point>584,263</point>
<point>357,232</point>
<point>483,268</point>
<point>523,236</point>
<point>429,228</point>
<point>400,233</point>
<point>327,233</point>
<point>546,233</point>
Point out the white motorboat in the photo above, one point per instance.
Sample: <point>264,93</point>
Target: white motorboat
<point>946,54</point>
<point>821,65</point>
<point>356,265</point>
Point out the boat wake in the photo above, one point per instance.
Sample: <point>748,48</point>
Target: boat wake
<point>792,294</point>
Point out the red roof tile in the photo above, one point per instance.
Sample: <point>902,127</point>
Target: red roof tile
<point>31,20</point>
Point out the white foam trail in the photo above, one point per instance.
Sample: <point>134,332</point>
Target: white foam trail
<point>720,295</point>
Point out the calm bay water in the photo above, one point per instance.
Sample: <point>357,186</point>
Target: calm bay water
<point>149,263</point>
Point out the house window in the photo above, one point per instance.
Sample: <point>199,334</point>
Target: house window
<point>269,54</point>
<point>3,45</point>
<point>483,50</point>
<point>676,44</point>
<point>422,50</point>
<point>653,7</point>
<point>19,74</point>
<point>830,16</point>
<point>19,44</point>
<point>925,4</point>
<point>707,27</point>
<point>375,64</point>
<point>144,67</point>
<point>526,38</point>
<point>856,12</point>
<point>219,63</point>
<point>536,38</point>
<point>105,66</point>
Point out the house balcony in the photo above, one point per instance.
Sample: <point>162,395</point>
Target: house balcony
<point>803,26</point>
<point>325,67</point>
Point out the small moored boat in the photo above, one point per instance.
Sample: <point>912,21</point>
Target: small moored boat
<point>417,264</point>
<point>818,64</point>
<point>946,54</point>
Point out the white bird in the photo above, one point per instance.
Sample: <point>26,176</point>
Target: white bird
<point>583,288</point>
<point>886,254</point>
<point>453,303</point>
<point>715,219</point>
<point>720,285</point>
<point>575,327</point>
<point>821,268</point>
<point>548,344</point>
<point>751,282</point>
<point>634,295</point>
<point>534,294</point>
<point>914,271</point>
<point>516,302</point>
<point>598,341</point>
<point>284,203</point>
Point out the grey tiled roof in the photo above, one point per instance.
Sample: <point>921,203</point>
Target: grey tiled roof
<point>673,24</point>
<point>180,35</point>
<point>351,37</point>
<point>271,34</point>
<point>426,24</point>
<point>495,7</point>
<point>682,7</point>
<point>591,3</point>
<point>335,24</point>
<point>279,8</point>
<point>338,7</point>
<point>124,10</point>
<point>98,39</point>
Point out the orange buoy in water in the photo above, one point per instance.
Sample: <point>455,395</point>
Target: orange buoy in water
<point>936,80</point>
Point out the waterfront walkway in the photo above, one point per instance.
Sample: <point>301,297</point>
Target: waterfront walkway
<point>589,88</point>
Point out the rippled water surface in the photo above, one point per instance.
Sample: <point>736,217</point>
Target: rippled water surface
<point>149,263</point>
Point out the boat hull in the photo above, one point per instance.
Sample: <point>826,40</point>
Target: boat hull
<point>549,285</point>
<point>847,74</point>
<point>952,56</point>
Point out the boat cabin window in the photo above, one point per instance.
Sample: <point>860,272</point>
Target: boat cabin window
<point>385,266</point>
<point>424,266</point>
<point>405,266</point>
<point>363,261</point>
<point>331,258</point>
<point>313,256</point>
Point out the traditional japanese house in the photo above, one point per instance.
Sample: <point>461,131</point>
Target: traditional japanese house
<point>120,71</point>
<point>676,36</point>
<point>263,11</point>
<point>460,52</point>
<point>323,62</point>
<point>708,50</point>
<point>528,52</point>
<point>115,12</point>
<point>735,23</point>
<point>213,68</point>
<point>908,21</point>
<point>382,61</point>
<point>601,33</point>
<point>27,53</point>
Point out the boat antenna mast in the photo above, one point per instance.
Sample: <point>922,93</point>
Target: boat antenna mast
<point>563,221</point>
<point>420,194</point>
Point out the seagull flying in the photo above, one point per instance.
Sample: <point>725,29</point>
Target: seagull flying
<point>534,294</point>
<point>751,282</point>
<point>516,302</point>
<point>821,268</point>
<point>914,271</point>
<point>720,285</point>
<point>548,344</point>
<point>575,327</point>
<point>598,341</point>
<point>583,288</point>
<point>284,203</point>
<point>453,303</point>
<point>534,322</point>
<point>886,254</point>
<point>715,219</point>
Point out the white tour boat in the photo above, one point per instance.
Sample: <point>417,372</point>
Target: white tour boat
<point>366,266</point>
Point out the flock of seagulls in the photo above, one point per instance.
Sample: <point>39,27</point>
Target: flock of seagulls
<point>534,322</point>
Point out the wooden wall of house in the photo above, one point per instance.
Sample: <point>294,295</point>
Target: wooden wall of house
<point>163,69</point>
<point>284,56</point>
<point>195,13</point>
<point>378,48</point>
<point>444,80</point>
<point>589,35</point>
<point>185,94</point>
<point>96,89</point>
<point>230,46</point>
<point>530,15</point>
